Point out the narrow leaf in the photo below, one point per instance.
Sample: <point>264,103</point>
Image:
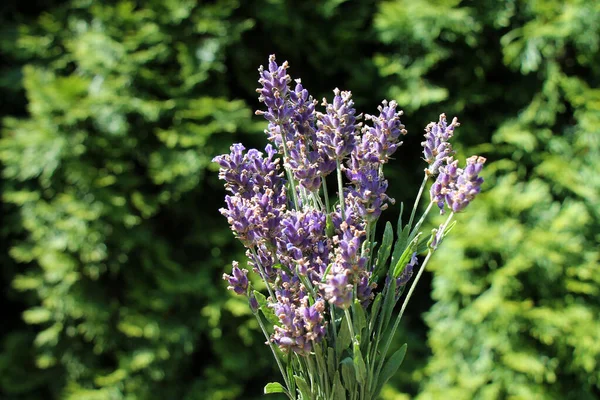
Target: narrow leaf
<point>264,307</point>
<point>400,245</point>
<point>390,368</point>
<point>374,311</point>
<point>383,254</point>
<point>330,361</point>
<point>389,301</point>
<point>348,373</point>
<point>274,387</point>
<point>405,257</point>
<point>359,365</point>
<point>359,320</point>
<point>339,392</point>
<point>344,338</point>
<point>302,387</point>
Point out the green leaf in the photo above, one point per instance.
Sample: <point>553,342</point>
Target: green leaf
<point>302,387</point>
<point>359,320</point>
<point>348,373</point>
<point>274,387</point>
<point>329,228</point>
<point>389,301</point>
<point>383,254</point>
<point>390,368</point>
<point>405,257</point>
<point>264,307</point>
<point>326,273</point>
<point>290,373</point>
<point>330,361</point>
<point>375,310</point>
<point>339,392</point>
<point>343,339</point>
<point>359,365</point>
<point>400,244</point>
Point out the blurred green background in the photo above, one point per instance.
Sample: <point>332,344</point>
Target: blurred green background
<point>112,247</point>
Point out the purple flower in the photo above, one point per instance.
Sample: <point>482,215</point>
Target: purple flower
<point>336,132</point>
<point>301,325</point>
<point>258,201</point>
<point>457,186</point>
<point>467,186</point>
<point>253,303</point>
<point>444,183</point>
<point>348,252</point>
<point>243,172</point>
<point>274,91</point>
<point>364,289</point>
<point>303,244</point>
<point>381,140</point>
<point>238,281</point>
<point>348,269</point>
<point>338,290</point>
<point>436,147</point>
<point>364,169</point>
<point>367,198</point>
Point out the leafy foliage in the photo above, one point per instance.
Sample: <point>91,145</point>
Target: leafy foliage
<point>123,118</point>
<point>516,288</point>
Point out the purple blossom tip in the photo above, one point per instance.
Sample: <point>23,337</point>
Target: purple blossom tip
<point>457,186</point>
<point>338,290</point>
<point>238,281</point>
<point>436,147</point>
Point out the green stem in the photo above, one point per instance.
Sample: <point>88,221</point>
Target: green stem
<point>349,320</point>
<point>332,308</point>
<point>420,222</point>
<point>309,287</point>
<point>271,346</point>
<point>341,189</point>
<point>322,367</point>
<point>287,171</point>
<point>325,195</point>
<point>262,272</point>
<point>407,298</point>
<point>377,337</point>
<point>416,205</point>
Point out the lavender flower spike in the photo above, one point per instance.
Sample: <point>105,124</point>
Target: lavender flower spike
<point>467,186</point>
<point>275,91</point>
<point>436,147</point>
<point>338,291</point>
<point>444,183</point>
<point>382,140</point>
<point>336,132</point>
<point>238,281</point>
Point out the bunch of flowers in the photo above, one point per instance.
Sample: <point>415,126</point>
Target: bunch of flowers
<point>328,310</point>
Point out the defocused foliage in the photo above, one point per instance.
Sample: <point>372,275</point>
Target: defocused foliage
<point>112,247</point>
<point>115,233</point>
<point>517,284</point>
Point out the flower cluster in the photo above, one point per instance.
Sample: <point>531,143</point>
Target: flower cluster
<point>457,186</point>
<point>436,148</point>
<point>315,254</point>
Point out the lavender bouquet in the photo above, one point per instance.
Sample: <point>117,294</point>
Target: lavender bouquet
<point>330,290</point>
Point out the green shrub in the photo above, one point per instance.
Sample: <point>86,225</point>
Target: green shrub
<point>516,287</point>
